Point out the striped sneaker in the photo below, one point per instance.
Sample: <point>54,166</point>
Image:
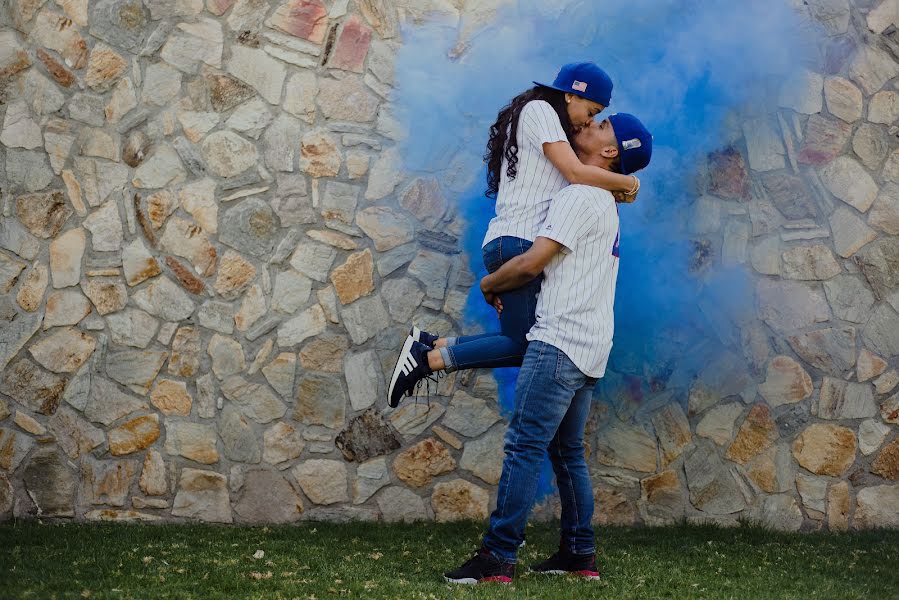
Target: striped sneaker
<point>564,562</point>
<point>428,339</point>
<point>482,568</point>
<point>411,367</point>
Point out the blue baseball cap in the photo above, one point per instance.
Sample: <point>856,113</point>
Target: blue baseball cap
<point>634,142</point>
<point>584,79</point>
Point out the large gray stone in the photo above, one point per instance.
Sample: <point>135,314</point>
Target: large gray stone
<point>884,214</point>
<point>255,400</point>
<point>484,456</point>
<point>108,404</point>
<point>14,446</point>
<point>250,227</point>
<point>323,481</point>
<point>267,497</point>
<point>227,154</point>
<point>50,484</point>
<point>321,400</point>
<point>714,487</point>
<point>74,435</point>
<point>135,369</point>
<point>363,382</point>
<point>28,168</point>
<point>432,270</point>
<point>365,318</point>
<point>780,512</point>
<point>203,495</point>
<point>878,506</point>
<point>880,264</point>
<point>401,505</point>
<point>105,226</point>
<point>850,233</point>
<point>840,399</point>
<point>882,331</point>
<point>16,239</point>
<point>810,263</point>
<point>313,260</point>
<point>132,327</point>
<point>32,387</point>
<point>871,145</point>
<point>847,180</point>
<point>259,70</point>
<point>279,143</point>
<point>164,299</point>
<point>468,415</point>
<point>122,23</point>
<point>787,305</point>
<point>15,333</point>
<point>831,350</point>
<point>850,299</point>
<point>238,437</point>
<point>107,481</point>
<point>871,68</point>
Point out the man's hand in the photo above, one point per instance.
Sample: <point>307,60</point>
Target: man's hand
<point>623,198</point>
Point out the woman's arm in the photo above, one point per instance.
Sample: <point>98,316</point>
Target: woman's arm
<point>562,156</point>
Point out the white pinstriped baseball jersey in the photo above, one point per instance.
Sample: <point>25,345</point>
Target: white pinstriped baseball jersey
<point>522,203</point>
<point>574,308</point>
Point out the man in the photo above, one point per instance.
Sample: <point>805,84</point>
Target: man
<point>577,252</point>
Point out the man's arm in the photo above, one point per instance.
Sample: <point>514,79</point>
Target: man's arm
<point>521,269</point>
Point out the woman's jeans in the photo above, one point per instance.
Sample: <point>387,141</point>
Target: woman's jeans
<point>505,348</point>
<point>552,403</point>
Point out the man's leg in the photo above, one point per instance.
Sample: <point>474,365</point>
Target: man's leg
<point>544,391</point>
<point>566,451</point>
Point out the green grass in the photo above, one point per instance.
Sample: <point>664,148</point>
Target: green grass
<point>320,560</point>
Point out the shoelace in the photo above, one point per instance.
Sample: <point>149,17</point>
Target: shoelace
<point>435,377</point>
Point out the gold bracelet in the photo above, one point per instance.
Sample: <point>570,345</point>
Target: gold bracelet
<point>636,186</point>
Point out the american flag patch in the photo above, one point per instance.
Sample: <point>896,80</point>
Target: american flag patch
<point>579,86</point>
<point>629,144</point>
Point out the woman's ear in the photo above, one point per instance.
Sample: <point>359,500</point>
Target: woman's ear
<point>568,98</point>
<point>610,151</point>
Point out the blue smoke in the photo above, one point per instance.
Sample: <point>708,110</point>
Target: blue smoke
<point>682,66</point>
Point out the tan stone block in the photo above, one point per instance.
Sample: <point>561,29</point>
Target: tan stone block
<point>756,434</point>
<point>825,449</point>
<point>133,435</point>
<point>354,278</point>
<point>459,500</point>
<point>171,398</point>
<point>838,506</point>
<point>418,465</point>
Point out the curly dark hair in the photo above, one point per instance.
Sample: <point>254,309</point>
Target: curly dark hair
<point>503,142</point>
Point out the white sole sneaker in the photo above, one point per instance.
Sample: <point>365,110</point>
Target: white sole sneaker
<point>404,365</point>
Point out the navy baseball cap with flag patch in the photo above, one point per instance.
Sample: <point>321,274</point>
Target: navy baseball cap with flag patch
<point>584,79</point>
<point>634,142</point>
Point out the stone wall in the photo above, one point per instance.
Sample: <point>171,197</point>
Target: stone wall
<point>210,255</point>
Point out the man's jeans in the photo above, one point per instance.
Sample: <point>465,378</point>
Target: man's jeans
<point>552,402</point>
<point>507,347</point>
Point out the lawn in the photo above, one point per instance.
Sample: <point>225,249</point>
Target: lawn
<point>321,560</point>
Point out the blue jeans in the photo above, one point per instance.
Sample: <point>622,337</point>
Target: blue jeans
<point>505,348</point>
<point>552,402</point>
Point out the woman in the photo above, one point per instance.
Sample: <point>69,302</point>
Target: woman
<point>529,158</point>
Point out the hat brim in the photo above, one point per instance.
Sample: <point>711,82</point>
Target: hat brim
<point>575,92</point>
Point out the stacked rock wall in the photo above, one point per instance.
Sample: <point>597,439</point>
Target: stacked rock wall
<point>209,255</point>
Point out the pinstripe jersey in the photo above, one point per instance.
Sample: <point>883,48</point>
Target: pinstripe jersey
<point>522,203</point>
<point>574,308</point>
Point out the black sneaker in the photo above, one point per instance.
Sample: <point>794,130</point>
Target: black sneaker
<point>564,562</point>
<point>428,339</point>
<point>482,568</point>
<point>411,367</point>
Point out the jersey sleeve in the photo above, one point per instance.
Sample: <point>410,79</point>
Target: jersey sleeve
<point>570,217</point>
<point>541,125</point>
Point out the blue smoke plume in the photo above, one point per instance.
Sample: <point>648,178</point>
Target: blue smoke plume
<point>681,66</point>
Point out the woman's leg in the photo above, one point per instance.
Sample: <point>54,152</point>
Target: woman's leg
<point>492,350</point>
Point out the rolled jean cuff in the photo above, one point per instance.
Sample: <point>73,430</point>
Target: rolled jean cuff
<point>451,341</point>
<point>449,364</point>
